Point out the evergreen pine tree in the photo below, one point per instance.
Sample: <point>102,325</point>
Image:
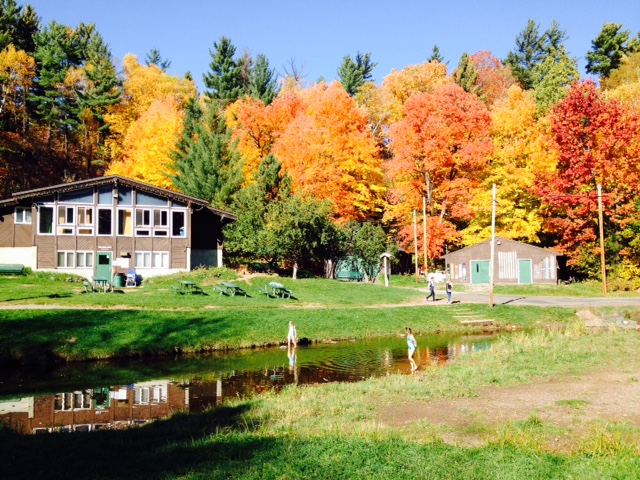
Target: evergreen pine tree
<point>263,82</point>
<point>224,82</point>
<point>607,50</point>
<point>205,160</point>
<point>354,73</point>
<point>154,58</point>
<point>466,74</point>
<point>435,55</point>
<point>18,26</point>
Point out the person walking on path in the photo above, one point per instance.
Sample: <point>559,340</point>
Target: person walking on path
<point>292,336</point>
<point>411,345</point>
<point>449,291</point>
<point>432,289</point>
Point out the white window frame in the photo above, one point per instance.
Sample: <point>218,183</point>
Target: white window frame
<point>111,229</point>
<point>67,254</point>
<point>53,219</point>
<point>84,254</point>
<point>184,223</point>
<point>149,259</point>
<point>20,215</point>
<point>117,222</point>
<point>144,255</point>
<point>164,259</point>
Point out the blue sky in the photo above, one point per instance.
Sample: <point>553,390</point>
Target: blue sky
<point>318,34</point>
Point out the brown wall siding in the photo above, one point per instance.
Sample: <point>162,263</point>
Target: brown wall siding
<point>6,227</point>
<point>86,243</point>
<point>47,257</point>
<point>23,236</point>
<point>161,244</point>
<point>179,253</point>
<point>66,243</point>
<point>143,244</point>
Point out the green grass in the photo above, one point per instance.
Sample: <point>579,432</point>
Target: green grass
<point>153,320</point>
<point>334,430</point>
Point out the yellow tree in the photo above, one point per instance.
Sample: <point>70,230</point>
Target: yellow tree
<point>330,152</point>
<point>624,82</point>
<point>148,144</point>
<point>142,86</point>
<point>399,85</point>
<point>523,150</point>
<point>17,71</point>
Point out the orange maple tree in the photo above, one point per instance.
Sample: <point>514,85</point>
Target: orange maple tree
<point>440,151</point>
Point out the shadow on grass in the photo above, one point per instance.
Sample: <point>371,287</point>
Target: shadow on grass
<point>165,448</point>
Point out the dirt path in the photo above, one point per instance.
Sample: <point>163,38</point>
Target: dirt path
<point>573,403</point>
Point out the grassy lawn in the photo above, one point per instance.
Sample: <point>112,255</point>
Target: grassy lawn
<point>74,325</point>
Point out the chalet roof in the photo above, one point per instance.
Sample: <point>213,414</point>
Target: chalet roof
<point>502,239</point>
<point>114,180</point>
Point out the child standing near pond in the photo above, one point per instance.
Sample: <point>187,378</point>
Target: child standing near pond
<point>411,345</point>
<point>292,336</point>
<point>449,291</point>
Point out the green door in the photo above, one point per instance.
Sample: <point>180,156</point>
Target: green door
<point>524,271</point>
<point>480,271</point>
<point>103,265</point>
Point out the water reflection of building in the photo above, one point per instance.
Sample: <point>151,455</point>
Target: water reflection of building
<point>93,409</point>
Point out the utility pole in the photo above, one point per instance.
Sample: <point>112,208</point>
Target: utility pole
<point>415,243</point>
<point>493,245</point>
<point>601,226</point>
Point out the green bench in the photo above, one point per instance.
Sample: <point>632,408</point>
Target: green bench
<point>176,289</point>
<point>11,269</point>
<point>349,275</point>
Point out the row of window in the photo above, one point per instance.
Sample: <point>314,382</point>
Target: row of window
<point>84,259</point>
<point>76,220</point>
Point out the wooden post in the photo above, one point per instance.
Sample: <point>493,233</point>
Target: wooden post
<point>425,239</point>
<point>493,245</point>
<point>601,227</point>
<point>415,242</point>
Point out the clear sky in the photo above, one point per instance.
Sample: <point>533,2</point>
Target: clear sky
<point>318,34</point>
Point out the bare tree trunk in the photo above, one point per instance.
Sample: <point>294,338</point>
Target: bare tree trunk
<point>295,270</point>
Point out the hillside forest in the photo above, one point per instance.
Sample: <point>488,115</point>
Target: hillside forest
<point>317,169</point>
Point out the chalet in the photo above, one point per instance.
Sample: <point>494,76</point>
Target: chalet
<point>515,263</point>
<point>102,225</point>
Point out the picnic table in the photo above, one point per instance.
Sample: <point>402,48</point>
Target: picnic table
<point>280,290</point>
<point>230,288</point>
<point>102,284</point>
<point>187,286</point>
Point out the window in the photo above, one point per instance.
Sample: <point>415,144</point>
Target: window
<point>65,259</point>
<point>84,259</point>
<point>152,260</point>
<point>160,260</point>
<point>125,223</point>
<point>104,221</point>
<point>85,215</point>
<point>65,215</point>
<point>45,220</point>
<point>178,227</point>
<point>150,222</point>
<point>143,218</point>
<point>23,215</point>
<point>143,260</point>
<point>160,218</point>
<point>85,220</point>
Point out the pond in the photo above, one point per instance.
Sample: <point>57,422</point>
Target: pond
<point>122,393</point>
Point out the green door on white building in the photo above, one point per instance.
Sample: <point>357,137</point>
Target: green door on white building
<point>103,265</point>
<point>525,275</point>
<point>480,271</point>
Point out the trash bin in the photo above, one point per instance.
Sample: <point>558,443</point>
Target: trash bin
<point>118,280</point>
